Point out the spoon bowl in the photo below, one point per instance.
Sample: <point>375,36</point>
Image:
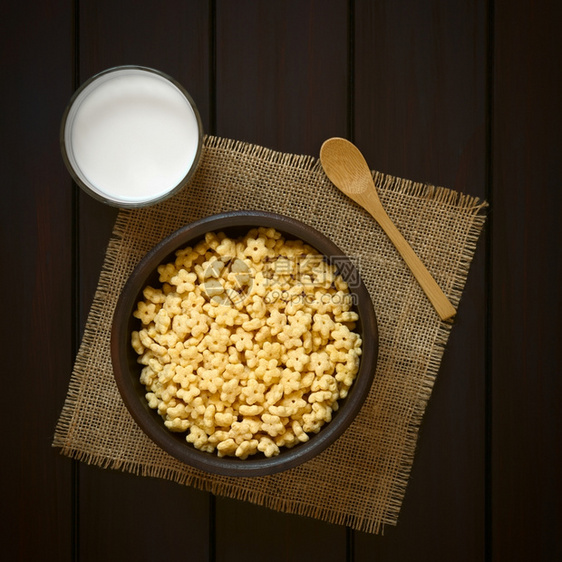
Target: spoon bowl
<point>348,170</point>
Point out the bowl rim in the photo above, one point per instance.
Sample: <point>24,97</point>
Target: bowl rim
<point>132,68</point>
<point>154,428</point>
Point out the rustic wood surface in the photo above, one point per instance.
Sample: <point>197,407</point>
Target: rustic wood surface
<point>455,93</point>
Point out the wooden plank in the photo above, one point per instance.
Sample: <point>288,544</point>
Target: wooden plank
<point>174,38</point>
<point>36,245</point>
<point>127,518</point>
<point>420,99</point>
<point>282,73</point>
<point>128,33</point>
<point>248,532</point>
<point>281,82</point>
<point>526,280</point>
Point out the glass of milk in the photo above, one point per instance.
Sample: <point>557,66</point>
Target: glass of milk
<point>131,136</point>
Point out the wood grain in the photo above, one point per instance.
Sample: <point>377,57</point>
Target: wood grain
<point>526,277</point>
<point>281,82</point>
<point>349,172</point>
<point>460,94</point>
<point>36,239</point>
<point>420,99</point>
<point>282,72</point>
<point>171,37</point>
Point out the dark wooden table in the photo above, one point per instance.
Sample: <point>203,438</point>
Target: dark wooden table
<point>461,94</point>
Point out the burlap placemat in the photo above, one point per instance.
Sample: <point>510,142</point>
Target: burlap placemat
<point>359,481</point>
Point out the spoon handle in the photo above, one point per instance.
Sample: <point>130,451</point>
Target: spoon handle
<point>436,296</point>
<point>349,172</point>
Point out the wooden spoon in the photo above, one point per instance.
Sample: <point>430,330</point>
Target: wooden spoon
<point>347,169</point>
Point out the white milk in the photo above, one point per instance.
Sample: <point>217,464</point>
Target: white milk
<point>134,137</point>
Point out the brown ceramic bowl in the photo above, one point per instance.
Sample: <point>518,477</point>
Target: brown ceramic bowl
<point>127,370</point>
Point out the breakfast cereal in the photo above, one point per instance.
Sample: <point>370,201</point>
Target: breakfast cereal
<point>248,344</point>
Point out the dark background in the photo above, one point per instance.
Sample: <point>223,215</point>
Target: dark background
<point>463,94</point>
